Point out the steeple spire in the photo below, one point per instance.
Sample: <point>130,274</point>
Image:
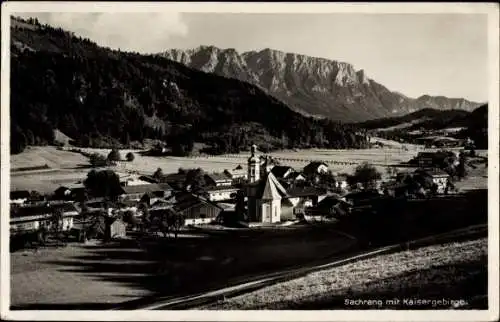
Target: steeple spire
<point>253,165</point>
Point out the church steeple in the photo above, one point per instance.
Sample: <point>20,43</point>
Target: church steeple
<point>253,165</point>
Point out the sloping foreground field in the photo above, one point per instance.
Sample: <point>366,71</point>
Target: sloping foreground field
<point>454,272</point>
<point>100,276</point>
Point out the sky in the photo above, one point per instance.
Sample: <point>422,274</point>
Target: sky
<point>414,54</point>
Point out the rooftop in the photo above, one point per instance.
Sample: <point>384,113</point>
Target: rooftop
<point>280,170</point>
<point>218,177</point>
<point>145,188</point>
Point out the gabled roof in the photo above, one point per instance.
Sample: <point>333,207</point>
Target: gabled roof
<point>235,172</point>
<point>43,210</point>
<point>220,188</point>
<point>218,177</point>
<point>61,189</point>
<point>280,170</point>
<point>145,188</point>
<point>189,201</point>
<point>313,166</point>
<point>331,201</point>
<point>19,194</point>
<point>271,189</point>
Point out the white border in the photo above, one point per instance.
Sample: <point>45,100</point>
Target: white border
<point>491,10</point>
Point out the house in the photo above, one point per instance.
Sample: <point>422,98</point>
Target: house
<point>221,193</point>
<point>281,171</point>
<point>341,181</point>
<point>175,180</point>
<point>62,193</point>
<point>315,167</point>
<point>135,181</point>
<point>196,210</point>
<point>330,206</point>
<point>218,180</point>
<point>439,178</point>
<point>296,177</point>
<point>31,218</point>
<point>298,199</point>
<point>153,190</point>
<point>19,197</point>
<point>236,175</point>
<point>117,229</point>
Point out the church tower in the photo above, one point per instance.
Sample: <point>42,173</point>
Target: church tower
<point>253,166</point>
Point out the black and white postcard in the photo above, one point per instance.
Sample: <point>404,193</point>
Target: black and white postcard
<point>250,161</point>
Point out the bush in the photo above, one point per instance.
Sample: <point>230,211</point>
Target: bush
<point>114,155</point>
<point>97,160</point>
<point>130,157</point>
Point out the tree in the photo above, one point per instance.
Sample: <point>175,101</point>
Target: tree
<point>158,174</point>
<point>461,168</point>
<point>98,160</point>
<point>114,155</point>
<point>195,180</point>
<point>130,157</point>
<point>366,174</point>
<point>175,222</point>
<point>18,141</point>
<point>104,183</point>
<point>57,223</point>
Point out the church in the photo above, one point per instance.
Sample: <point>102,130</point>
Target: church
<point>264,192</point>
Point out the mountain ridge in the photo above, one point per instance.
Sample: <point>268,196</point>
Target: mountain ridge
<point>313,86</point>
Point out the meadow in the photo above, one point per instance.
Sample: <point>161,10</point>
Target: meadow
<point>454,271</point>
<point>67,167</point>
<point>107,274</point>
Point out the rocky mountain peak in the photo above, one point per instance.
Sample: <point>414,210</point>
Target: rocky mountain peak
<point>312,85</point>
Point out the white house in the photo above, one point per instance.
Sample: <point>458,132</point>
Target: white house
<point>236,174</point>
<point>341,181</point>
<point>438,177</point>
<point>218,179</point>
<point>220,193</point>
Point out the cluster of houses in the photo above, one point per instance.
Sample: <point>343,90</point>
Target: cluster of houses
<point>269,193</point>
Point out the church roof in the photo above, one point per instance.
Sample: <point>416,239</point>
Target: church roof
<point>272,189</point>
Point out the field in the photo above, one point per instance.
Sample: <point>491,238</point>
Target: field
<point>69,167</point>
<point>97,276</point>
<point>455,271</point>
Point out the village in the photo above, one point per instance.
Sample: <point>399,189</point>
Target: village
<point>263,193</point>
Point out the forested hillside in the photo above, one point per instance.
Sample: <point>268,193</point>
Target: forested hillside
<point>102,97</point>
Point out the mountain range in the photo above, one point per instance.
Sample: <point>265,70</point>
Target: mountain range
<point>313,86</point>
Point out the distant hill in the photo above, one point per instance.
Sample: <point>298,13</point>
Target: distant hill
<point>477,127</point>
<point>429,119</point>
<point>313,86</point>
<point>101,97</point>
<point>473,125</point>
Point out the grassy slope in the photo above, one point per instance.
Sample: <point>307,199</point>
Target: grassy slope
<point>429,272</point>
